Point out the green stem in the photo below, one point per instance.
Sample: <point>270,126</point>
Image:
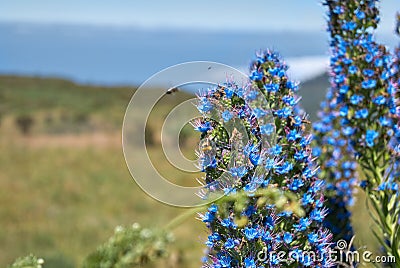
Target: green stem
<point>178,220</point>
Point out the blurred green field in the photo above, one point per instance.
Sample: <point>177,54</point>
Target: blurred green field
<point>64,183</point>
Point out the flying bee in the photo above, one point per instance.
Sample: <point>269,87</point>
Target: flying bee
<point>172,90</point>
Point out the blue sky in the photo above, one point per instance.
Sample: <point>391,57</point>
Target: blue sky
<point>256,15</point>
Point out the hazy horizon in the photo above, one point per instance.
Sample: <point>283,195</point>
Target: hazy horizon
<point>111,55</point>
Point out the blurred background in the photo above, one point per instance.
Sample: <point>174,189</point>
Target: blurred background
<point>67,72</point>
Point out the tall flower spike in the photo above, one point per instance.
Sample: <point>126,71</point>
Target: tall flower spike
<point>338,169</point>
<point>336,156</point>
<point>363,101</point>
<point>239,234</point>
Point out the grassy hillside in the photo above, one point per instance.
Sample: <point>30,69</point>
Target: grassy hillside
<point>65,185</point>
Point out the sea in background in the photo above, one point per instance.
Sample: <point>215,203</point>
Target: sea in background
<point>112,56</point>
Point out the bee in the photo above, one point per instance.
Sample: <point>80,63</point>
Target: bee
<point>221,87</point>
<point>172,90</point>
<point>217,95</point>
<point>206,148</point>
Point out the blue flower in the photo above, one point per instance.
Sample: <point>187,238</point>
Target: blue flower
<point>250,233</point>
<point>380,100</point>
<point>226,115</point>
<point>308,173</point>
<point>360,14</point>
<point>259,112</point>
<point>229,92</point>
<point>353,69</point>
<point>252,95</point>
<point>267,129</point>
<point>272,87</point>
<point>296,184</point>
<point>368,84</point>
<point>370,137</point>
<point>208,162</point>
<point>292,85</point>
<point>230,243</point>
<point>338,10</point>
<point>288,238</point>
<point>384,121</point>
<point>297,121</point>
<point>238,171</point>
<point>215,237</point>
<point>303,224</point>
<point>208,217</point>
<point>256,75</point>
<point>301,155</point>
<point>202,127</point>
<point>225,261</point>
<point>364,184</point>
<point>285,168</point>
<point>269,222</point>
<point>312,238</point>
<point>228,222</point>
<point>356,99</point>
<point>385,75</point>
<point>378,62</point>
<point>340,79</point>
<point>255,159</point>
<point>363,113</point>
<point>293,135</point>
<point>344,89</point>
<point>284,113</point>
<point>338,69</point>
<point>213,208</point>
<point>368,72</point>
<point>204,105</point>
<point>250,187</point>
<point>304,142</point>
<point>275,150</point>
<point>369,58</point>
<point>351,25</point>
<point>344,110</point>
<point>348,131</point>
<point>307,199</point>
<point>317,215</point>
<point>249,263</point>
<point>289,100</point>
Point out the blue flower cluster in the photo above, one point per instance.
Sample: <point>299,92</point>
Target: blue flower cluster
<point>338,169</point>
<point>360,117</point>
<point>363,93</point>
<point>336,156</point>
<point>237,235</point>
